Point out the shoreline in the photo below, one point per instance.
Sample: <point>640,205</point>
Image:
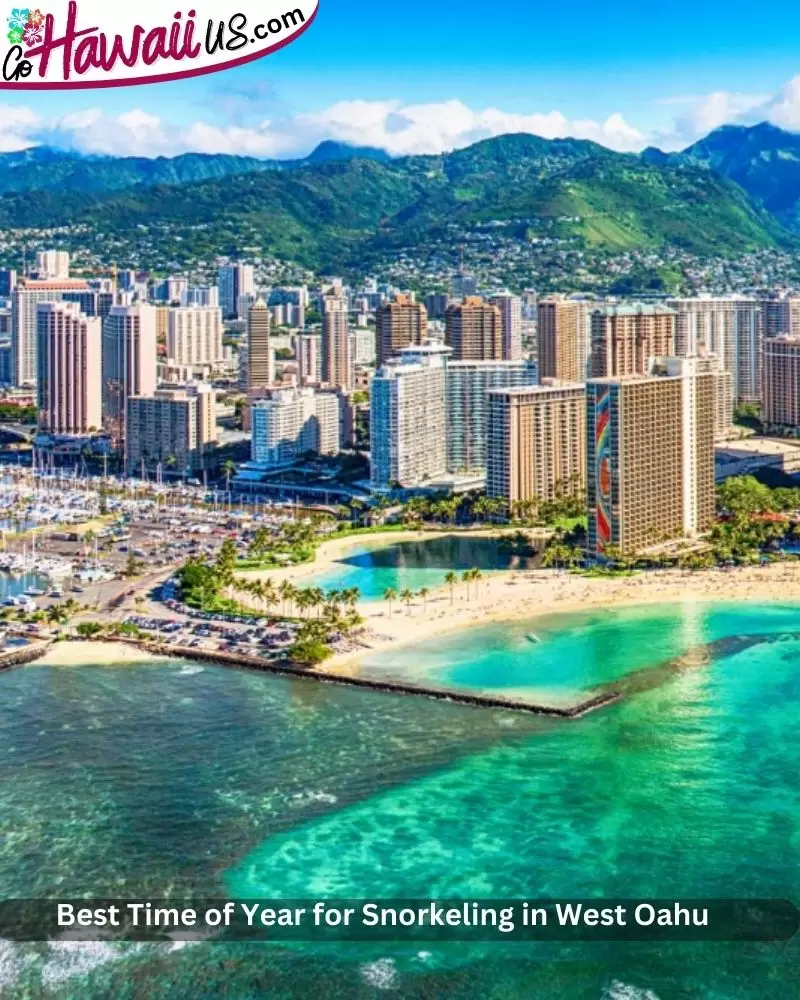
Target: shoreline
<point>95,653</point>
<point>514,596</point>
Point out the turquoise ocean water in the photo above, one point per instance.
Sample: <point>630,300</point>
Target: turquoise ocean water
<point>147,780</point>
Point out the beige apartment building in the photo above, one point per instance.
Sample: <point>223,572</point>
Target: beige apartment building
<point>337,360</point>
<point>624,338</point>
<point>562,334</point>
<point>68,353</point>
<point>194,335</point>
<point>781,405</point>
<point>536,440</point>
<point>510,307</point>
<point>650,457</point>
<point>308,353</point>
<point>260,356</point>
<point>473,329</point>
<point>723,394</point>
<point>398,324</point>
<point>173,429</point>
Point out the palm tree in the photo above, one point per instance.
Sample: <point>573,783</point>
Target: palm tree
<point>317,599</point>
<point>466,576</point>
<point>390,595</point>
<point>268,594</point>
<point>407,596</point>
<point>451,579</point>
<point>287,594</point>
<point>477,576</point>
<point>351,596</point>
<point>423,593</point>
<point>303,600</point>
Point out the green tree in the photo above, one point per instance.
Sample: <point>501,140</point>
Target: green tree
<point>309,652</point>
<point>451,579</point>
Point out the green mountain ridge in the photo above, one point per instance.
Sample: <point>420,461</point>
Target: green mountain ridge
<point>763,159</point>
<point>43,168</point>
<point>348,208</point>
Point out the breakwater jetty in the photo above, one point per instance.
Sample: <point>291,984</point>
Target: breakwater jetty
<point>18,656</point>
<point>284,668</point>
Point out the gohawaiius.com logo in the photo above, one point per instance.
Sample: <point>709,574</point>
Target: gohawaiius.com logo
<point>90,44</point>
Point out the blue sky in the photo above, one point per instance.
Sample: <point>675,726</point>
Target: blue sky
<point>419,77</point>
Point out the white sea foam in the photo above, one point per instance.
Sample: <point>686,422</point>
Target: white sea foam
<point>382,973</point>
<point>75,958</point>
<point>190,669</point>
<point>12,962</point>
<point>624,991</point>
<point>314,797</point>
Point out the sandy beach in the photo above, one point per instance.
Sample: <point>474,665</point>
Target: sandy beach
<point>95,654</point>
<point>509,596</point>
<point>513,595</point>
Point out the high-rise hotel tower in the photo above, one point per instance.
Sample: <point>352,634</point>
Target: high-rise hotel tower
<point>650,457</point>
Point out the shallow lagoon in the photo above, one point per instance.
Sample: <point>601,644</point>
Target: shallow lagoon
<point>375,566</point>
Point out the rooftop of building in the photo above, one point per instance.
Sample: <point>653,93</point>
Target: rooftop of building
<point>635,309</point>
<point>34,284</point>
<point>640,379</point>
<point>757,446</point>
<point>549,388</point>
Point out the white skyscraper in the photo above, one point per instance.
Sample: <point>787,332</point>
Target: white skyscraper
<point>408,439</point>
<point>732,328</point>
<point>291,422</point>
<point>467,385</point>
<point>52,265</point>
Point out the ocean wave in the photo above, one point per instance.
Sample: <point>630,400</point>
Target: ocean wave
<point>382,973</point>
<point>624,991</point>
<point>75,958</point>
<point>12,963</point>
<point>315,797</point>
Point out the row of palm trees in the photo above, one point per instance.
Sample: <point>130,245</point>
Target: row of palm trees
<point>295,602</point>
<point>452,579</point>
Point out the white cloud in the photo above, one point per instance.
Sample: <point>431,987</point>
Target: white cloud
<point>784,109</point>
<point>431,128</point>
<point>399,128</point>
<point>16,125</point>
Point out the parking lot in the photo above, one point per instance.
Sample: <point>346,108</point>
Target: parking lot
<point>233,635</point>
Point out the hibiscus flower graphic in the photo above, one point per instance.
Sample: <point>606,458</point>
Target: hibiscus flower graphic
<point>15,36</point>
<point>18,19</point>
<point>32,34</point>
<point>35,18</point>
